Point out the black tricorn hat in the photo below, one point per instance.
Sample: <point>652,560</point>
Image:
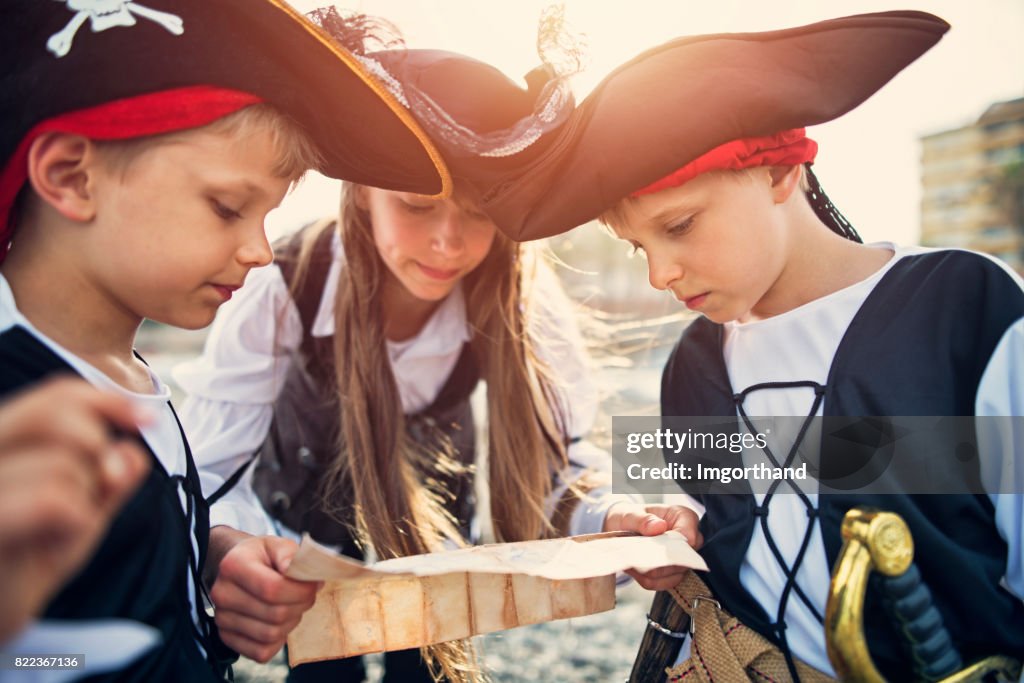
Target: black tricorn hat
<point>677,101</point>
<point>484,124</point>
<point>59,57</point>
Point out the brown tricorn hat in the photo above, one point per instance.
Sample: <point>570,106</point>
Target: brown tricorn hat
<point>483,123</point>
<point>675,102</point>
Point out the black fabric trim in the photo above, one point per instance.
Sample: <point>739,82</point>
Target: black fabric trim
<point>230,482</point>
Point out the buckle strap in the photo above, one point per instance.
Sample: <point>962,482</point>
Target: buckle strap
<point>723,649</point>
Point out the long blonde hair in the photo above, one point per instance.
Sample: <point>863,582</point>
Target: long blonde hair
<point>395,513</point>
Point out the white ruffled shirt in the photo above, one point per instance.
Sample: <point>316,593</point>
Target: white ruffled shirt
<point>233,385</point>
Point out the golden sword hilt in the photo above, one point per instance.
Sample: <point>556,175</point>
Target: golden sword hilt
<point>879,541</point>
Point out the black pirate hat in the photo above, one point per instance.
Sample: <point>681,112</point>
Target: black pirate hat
<point>64,56</point>
<point>677,101</point>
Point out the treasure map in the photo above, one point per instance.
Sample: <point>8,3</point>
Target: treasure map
<point>425,599</point>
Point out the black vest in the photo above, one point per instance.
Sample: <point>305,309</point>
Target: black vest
<point>917,347</point>
<point>305,434</point>
<point>140,570</point>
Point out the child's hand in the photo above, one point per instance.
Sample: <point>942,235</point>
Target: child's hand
<point>256,606</point>
<point>62,480</point>
<point>651,520</point>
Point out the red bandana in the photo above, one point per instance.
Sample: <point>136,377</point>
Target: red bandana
<point>151,114</point>
<point>787,148</point>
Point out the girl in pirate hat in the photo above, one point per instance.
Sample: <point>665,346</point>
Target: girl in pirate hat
<point>140,159</point>
<point>348,366</point>
<point>711,179</point>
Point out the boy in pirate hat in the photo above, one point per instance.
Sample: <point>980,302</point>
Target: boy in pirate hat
<point>711,179</point>
<point>141,157</point>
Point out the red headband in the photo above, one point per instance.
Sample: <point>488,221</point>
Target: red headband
<point>787,148</point>
<point>133,117</point>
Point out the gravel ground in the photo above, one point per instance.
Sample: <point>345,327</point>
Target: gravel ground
<point>595,649</point>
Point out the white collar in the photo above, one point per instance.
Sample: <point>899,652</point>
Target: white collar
<point>9,313</point>
<point>10,316</point>
<point>445,332</point>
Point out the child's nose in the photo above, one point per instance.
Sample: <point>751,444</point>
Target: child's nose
<point>449,238</point>
<point>662,272</point>
<point>256,250</point>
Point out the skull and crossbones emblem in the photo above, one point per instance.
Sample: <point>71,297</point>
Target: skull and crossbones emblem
<point>104,14</point>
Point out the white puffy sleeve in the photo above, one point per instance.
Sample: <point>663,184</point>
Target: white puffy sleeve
<point>231,389</point>
<point>1000,394</point>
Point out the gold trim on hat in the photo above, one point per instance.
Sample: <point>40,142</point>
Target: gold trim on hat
<point>404,115</point>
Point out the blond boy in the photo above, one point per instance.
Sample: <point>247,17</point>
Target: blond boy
<point>141,159</point>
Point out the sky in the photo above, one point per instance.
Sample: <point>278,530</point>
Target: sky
<point>868,160</point>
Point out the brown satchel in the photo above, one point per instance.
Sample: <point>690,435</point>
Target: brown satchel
<point>723,649</point>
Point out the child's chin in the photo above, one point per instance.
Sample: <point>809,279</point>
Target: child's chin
<point>436,293</point>
<point>194,320</point>
<point>719,317</point>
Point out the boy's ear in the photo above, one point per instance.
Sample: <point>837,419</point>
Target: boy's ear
<point>785,180</point>
<point>60,166</point>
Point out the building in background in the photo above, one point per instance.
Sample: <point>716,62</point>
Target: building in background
<point>973,185</point>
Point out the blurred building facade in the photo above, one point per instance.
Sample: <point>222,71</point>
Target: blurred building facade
<point>973,185</point>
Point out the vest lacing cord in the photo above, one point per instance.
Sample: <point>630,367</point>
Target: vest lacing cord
<point>761,512</point>
<point>204,631</point>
